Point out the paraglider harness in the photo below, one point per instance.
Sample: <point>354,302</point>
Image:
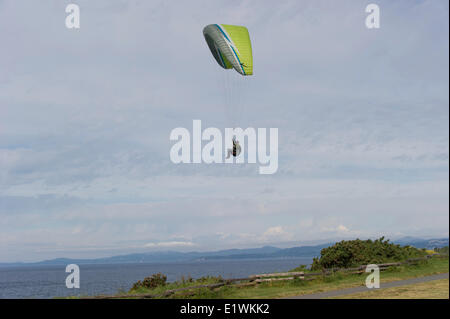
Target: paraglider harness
<point>234,148</point>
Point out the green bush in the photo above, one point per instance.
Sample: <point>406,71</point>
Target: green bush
<point>442,250</point>
<point>299,268</point>
<point>352,253</point>
<point>153,281</point>
<point>209,279</point>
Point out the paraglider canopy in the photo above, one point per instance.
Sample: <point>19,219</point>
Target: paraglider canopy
<point>231,47</point>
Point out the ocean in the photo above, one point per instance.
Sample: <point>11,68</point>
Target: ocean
<point>49,281</point>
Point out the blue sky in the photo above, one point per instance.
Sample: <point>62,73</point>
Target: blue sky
<point>85,118</point>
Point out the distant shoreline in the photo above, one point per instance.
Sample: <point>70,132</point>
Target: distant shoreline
<point>266,252</point>
<point>43,265</point>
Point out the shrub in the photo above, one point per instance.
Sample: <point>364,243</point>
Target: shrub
<point>185,280</point>
<point>209,279</point>
<point>352,253</point>
<point>442,250</point>
<point>299,268</point>
<point>153,281</point>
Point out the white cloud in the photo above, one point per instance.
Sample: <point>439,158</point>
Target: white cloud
<point>170,244</point>
<point>342,228</point>
<point>274,231</point>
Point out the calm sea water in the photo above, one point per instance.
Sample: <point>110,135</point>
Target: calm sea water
<point>49,281</point>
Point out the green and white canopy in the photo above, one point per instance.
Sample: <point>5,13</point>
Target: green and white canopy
<point>231,47</point>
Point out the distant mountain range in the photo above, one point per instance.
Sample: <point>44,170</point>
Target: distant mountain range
<point>422,243</point>
<point>266,252</point>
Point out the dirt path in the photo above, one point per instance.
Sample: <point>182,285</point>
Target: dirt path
<point>391,284</point>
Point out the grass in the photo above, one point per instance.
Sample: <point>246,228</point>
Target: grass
<point>436,289</point>
<point>297,287</point>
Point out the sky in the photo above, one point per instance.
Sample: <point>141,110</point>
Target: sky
<point>86,114</point>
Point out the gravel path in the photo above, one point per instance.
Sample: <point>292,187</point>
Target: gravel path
<point>391,284</point>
